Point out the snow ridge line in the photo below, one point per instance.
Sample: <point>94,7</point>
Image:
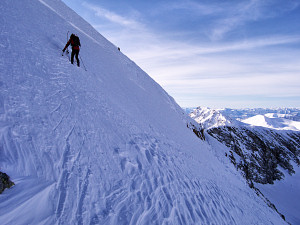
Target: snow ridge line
<point>73,25</point>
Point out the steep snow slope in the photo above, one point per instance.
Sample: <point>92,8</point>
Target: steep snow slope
<point>106,146</point>
<point>285,195</point>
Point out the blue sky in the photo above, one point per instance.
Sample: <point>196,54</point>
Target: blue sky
<point>211,53</point>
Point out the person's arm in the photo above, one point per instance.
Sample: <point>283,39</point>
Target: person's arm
<point>68,43</point>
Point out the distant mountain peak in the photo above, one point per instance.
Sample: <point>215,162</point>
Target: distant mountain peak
<point>210,118</point>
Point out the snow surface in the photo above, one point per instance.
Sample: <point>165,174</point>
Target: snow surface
<point>106,146</point>
<point>283,193</point>
<point>273,121</point>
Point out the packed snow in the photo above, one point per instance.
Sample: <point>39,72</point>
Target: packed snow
<point>273,121</point>
<point>285,195</point>
<point>102,146</point>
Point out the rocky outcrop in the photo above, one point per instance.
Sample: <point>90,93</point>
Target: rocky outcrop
<point>5,182</point>
<point>197,129</point>
<point>261,154</point>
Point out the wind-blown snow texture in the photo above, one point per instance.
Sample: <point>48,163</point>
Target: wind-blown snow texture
<point>106,146</point>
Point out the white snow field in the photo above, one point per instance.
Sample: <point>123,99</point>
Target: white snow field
<point>273,122</point>
<point>102,146</point>
<point>285,195</point>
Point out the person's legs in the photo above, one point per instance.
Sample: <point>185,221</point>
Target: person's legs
<point>72,56</point>
<point>76,56</point>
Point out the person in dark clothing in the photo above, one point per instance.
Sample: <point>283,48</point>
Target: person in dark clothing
<point>75,43</point>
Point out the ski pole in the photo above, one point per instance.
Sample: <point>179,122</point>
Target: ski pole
<point>67,41</point>
<point>82,62</point>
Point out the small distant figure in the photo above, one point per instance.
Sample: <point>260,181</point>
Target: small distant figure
<point>119,49</point>
<point>75,43</point>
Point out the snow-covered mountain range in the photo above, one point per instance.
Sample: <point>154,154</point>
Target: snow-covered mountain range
<point>273,121</point>
<point>265,148</point>
<point>279,119</point>
<point>241,114</point>
<point>210,118</point>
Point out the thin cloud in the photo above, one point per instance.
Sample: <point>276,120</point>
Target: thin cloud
<point>259,84</point>
<point>222,17</point>
<point>196,8</point>
<point>172,50</point>
<point>113,17</point>
<point>235,16</point>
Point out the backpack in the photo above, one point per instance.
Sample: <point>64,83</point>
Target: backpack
<point>76,41</point>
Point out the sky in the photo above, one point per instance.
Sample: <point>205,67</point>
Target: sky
<point>214,53</point>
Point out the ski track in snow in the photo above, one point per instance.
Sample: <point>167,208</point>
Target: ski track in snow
<point>106,146</point>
